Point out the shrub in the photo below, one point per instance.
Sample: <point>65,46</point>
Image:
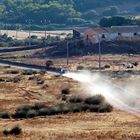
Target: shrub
<point>60,109</point>
<point>77,107</point>
<point>24,108</point>
<point>80,67</point>
<point>106,108</point>
<point>7,67</point>
<point>107,66</point>
<point>5,115</point>
<point>94,108</point>
<point>40,82</point>
<point>2,80</point>
<point>49,63</point>
<point>22,111</point>
<point>6,132</point>
<point>14,80</point>
<point>12,72</point>
<point>75,100</point>
<point>95,100</point>
<point>42,72</point>
<point>16,130</point>
<point>28,72</point>
<point>44,112</point>
<point>135,64</point>
<point>38,106</point>
<point>65,91</point>
<point>31,78</point>
<point>20,114</point>
<point>32,113</point>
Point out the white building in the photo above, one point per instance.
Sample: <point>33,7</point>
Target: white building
<point>108,34</point>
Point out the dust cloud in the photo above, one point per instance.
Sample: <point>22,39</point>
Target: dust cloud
<point>123,95</point>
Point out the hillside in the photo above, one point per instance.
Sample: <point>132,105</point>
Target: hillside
<point>64,12</point>
<point>114,47</point>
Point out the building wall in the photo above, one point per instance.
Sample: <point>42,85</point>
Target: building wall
<point>76,34</point>
<point>113,36</point>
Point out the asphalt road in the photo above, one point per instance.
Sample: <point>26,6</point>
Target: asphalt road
<point>52,70</point>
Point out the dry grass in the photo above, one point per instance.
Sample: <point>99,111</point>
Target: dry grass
<point>73,126</point>
<point>40,34</point>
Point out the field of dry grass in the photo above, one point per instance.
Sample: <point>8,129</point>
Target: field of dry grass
<point>40,34</point>
<point>73,126</point>
<point>115,61</point>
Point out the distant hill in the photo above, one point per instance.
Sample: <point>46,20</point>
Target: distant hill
<point>64,12</point>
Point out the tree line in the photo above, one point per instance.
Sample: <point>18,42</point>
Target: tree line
<point>58,12</point>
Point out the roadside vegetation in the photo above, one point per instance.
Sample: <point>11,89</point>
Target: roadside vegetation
<point>96,103</point>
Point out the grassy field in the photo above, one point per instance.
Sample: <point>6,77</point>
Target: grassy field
<point>72,126</point>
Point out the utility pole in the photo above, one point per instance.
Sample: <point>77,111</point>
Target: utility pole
<point>29,33</point>
<point>6,29</point>
<point>16,31</point>
<point>44,23</point>
<point>29,24</point>
<point>67,52</point>
<point>99,52</point>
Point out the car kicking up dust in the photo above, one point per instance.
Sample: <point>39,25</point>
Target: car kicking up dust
<point>124,96</point>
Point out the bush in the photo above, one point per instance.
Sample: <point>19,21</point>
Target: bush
<point>20,114</point>
<point>42,72</point>
<point>6,132</point>
<point>32,113</point>
<point>78,107</point>
<point>12,72</point>
<point>135,64</point>
<point>65,91</point>
<point>5,115</point>
<point>106,108</point>
<point>75,100</point>
<point>95,100</point>
<point>31,78</point>
<point>28,72</point>
<point>38,106</point>
<point>16,130</point>
<point>22,111</point>
<point>60,109</point>
<point>80,67</point>
<point>14,80</point>
<point>44,111</point>
<point>2,80</point>
<point>107,66</point>
<point>40,82</point>
<point>49,63</point>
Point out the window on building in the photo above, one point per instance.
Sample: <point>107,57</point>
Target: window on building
<point>103,36</point>
<point>87,37</point>
<point>135,34</point>
<point>119,34</point>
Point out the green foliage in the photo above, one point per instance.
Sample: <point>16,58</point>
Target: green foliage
<point>92,14</point>
<point>56,12</point>
<point>115,21</point>
<point>49,63</point>
<point>65,91</point>
<point>5,115</point>
<point>111,11</point>
<point>95,100</point>
<point>15,130</point>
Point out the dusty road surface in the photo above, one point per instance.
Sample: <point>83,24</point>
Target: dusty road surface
<point>117,125</point>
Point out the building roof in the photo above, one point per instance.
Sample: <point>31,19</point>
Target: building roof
<point>113,29</point>
<point>81,30</point>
